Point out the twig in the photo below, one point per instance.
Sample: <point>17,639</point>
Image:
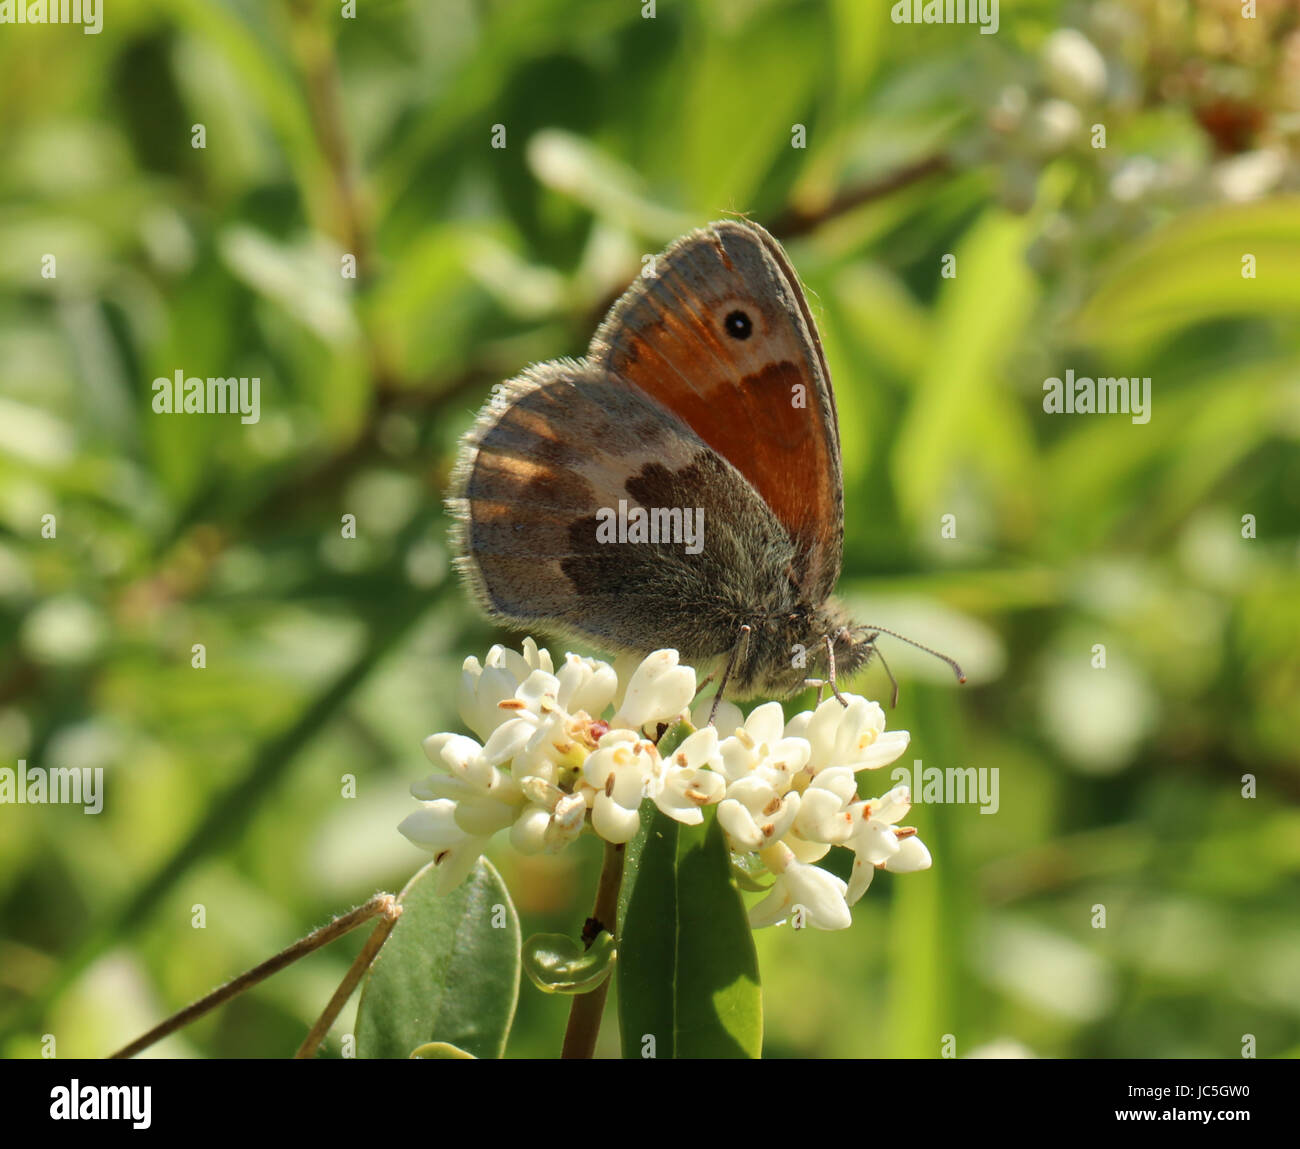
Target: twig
<point>313,47</point>
<point>391,910</point>
<point>795,221</point>
<point>379,904</point>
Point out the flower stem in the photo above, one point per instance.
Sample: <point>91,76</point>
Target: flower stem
<point>391,910</point>
<point>588,1008</point>
<point>379,904</point>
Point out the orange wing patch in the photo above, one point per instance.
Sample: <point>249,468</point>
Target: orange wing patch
<point>722,337</point>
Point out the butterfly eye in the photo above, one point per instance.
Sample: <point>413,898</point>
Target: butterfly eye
<point>738,325</point>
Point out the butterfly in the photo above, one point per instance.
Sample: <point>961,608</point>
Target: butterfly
<point>680,485</point>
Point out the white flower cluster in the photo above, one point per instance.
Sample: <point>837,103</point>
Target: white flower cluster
<point>547,763</point>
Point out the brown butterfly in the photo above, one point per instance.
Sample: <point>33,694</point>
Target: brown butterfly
<point>680,486</point>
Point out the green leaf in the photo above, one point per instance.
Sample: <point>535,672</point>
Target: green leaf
<point>745,880</point>
<point>719,162</point>
<point>557,963</point>
<point>449,972</point>
<point>440,1051</point>
<point>671,739</point>
<point>977,319</point>
<point>576,168</point>
<point>251,51</point>
<point>687,968</point>
<point>1191,270</point>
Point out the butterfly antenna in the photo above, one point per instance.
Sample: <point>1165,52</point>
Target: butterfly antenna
<point>956,669</point>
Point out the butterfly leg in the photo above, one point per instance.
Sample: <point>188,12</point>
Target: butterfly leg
<point>893,702</point>
<point>830,670</point>
<point>820,683</point>
<point>726,674</point>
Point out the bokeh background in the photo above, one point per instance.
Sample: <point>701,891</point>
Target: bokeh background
<point>326,657</point>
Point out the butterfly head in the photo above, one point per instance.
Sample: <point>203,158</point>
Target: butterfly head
<point>853,646</point>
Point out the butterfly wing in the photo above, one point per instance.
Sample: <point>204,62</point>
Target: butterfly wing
<point>722,337</point>
<point>558,451</point>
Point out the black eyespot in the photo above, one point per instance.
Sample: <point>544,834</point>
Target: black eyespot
<point>738,325</point>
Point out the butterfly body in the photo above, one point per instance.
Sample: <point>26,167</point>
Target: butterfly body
<point>679,483</point>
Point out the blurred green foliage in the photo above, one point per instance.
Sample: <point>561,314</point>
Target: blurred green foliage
<point>327,657</point>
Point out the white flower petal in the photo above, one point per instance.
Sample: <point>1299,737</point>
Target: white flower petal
<point>539,692</point>
<point>859,725</point>
<point>797,727</point>
<point>433,826</point>
<point>659,691</point>
<point>772,909</point>
<point>874,842</point>
<point>821,730</point>
<point>684,791</point>
<point>777,824</point>
<point>528,834</point>
<point>860,880</point>
<point>738,757</point>
<point>507,740</point>
<point>892,807</point>
<point>790,755</point>
<point>483,817</point>
<point>699,749</point>
<point>740,826</point>
<point>455,863</point>
<point>911,857</point>
<point>511,661</point>
<point>613,822</point>
<point>839,780</point>
<point>538,658</point>
<point>823,816</point>
<point>435,786</point>
<point>586,684</point>
<point>454,751</point>
<point>766,723</point>
<point>478,694</point>
<point>804,850</point>
<point>887,748</point>
<point>729,716</point>
<point>820,894</point>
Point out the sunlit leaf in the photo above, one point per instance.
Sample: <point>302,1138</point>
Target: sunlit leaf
<point>1192,269</point>
<point>449,971</point>
<point>687,971</point>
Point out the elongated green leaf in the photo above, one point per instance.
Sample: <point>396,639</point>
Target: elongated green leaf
<point>687,970</point>
<point>978,317</point>
<point>721,163</point>
<point>1192,269</point>
<point>448,974</point>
